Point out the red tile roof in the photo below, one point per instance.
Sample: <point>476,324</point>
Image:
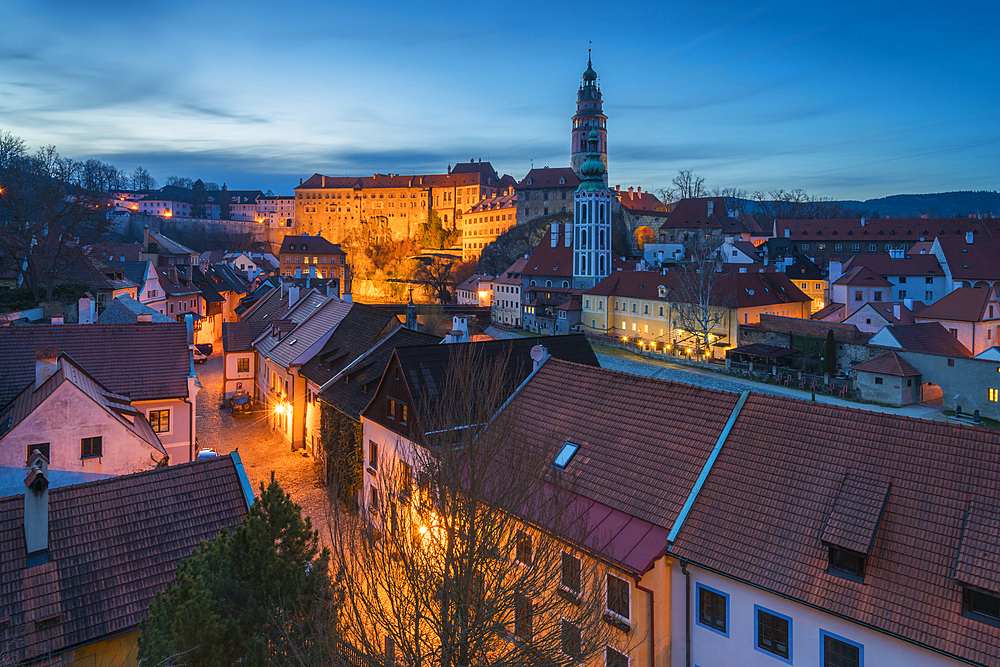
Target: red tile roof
<point>889,363</point>
<point>548,261</point>
<point>885,229</point>
<point>797,326</point>
<point>887,310</point>
<point>141,361</point>
<point>310,244</point>
<point>885,266</point>
<point>641,203</point>
<point>857,511</point>
<point>546,178</point>
<point>113,544</point>
<point>495,203</point>
<point>762,511</point>
<point>746,290</point>
<point>965,304</point>
<point>926,337</point>
<point>693,213</point>
<point>391,181</point>
<point>862,276</point>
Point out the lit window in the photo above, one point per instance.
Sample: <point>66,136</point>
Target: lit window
<point>372,455</point>
<point>993,395</point>
<point>160,420</point>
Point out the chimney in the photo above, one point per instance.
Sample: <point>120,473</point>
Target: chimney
<point>896,311</point>
<point>969,237</point>
<point>293,295</point>
<point>862,222</point>
<point>57,319</point>
<point>46,362</point>
<point>300,181</point>
<point>908,303</point>
<point>323,181</point>
<point>554,228</point>
<point>85,306</point>
<point>568,235</point>
<point>631,195</point>
<point>788,233</point>
<point>638,191</point>
<point>538,354</point>
<point>144,318</point>
<point>711,207</point>
<point>298,271</point>
<point>36,509</point>
<point>836,271</point>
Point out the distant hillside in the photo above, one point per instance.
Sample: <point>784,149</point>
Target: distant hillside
<point>939,205</point>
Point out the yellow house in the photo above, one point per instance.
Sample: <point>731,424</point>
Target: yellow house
<point>88,559</point>
<point>656,309</point>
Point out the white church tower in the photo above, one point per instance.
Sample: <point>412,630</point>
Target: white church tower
<point>592,221</point>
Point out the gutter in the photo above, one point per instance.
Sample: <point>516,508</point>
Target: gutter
<point>652,623</point>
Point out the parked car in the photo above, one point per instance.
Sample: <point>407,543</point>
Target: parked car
<point>199,356</point>
<point>206,453</point>
<point>241,403</point>
<point>206,348</point>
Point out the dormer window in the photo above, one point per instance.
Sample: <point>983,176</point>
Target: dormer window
<point>853,524</point>
<point>565,455</point>
<point>981,605</point>
<point>848,564</point>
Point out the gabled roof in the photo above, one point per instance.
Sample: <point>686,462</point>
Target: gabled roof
<point>797,326</point>
<point>804,268</point>
<point>693,213</point>
<point>113,544</point>
<point>827,311</point>
<point>310,244</point>
<point>180,286</point>
<point>316,326</point>
<point>126,310</point>
<point>317,181</point>
<point>742,290</point>
<point>272,305</point>
<point>141,361</point>
<point>93,272</point>
<point>548,261</point>
<point>426,368</point>
<point>471,284</point>
<point>136,272</point>
<point>354,385</point>
<point>774,488</point>
<point>889,363</point>
<point>512,276</point>
<point>642,203</point>
<point>118,252</point>
<point>168,246</point>
<point>239,336</point>
<point>116,406</point>
<point>862,276</point>
<point>484,169</point>
<point>354,334</point>
<point>546,178</point>
<point>965,304</point>
<point>495,203</point>
<point>972,261</point>
<point>887,311</point>
<point>923,337</point>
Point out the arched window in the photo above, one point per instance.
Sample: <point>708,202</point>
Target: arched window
<point>565,283</point>
<point>583,213</point>
<point>532,283</point>
<point>583,238</point>
<point>603,271</point>
<point>601,237</point>
<point>548,283</point>
<point>602,213</point>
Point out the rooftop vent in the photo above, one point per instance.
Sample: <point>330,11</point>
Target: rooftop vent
<point>565,455</point>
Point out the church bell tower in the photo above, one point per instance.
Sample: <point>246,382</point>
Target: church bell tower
<point>589,118</point>
<point>592,219</point>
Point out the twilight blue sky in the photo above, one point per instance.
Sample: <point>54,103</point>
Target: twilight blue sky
<point>846,100</point>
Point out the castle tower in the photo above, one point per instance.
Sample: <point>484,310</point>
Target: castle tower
<point>592,219</point>
<point>589,118</point>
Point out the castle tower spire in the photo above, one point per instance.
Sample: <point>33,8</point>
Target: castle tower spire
<point>592,219</point>
<point>589,117</point>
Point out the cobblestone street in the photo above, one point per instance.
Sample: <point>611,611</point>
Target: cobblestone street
<point>261,450</point>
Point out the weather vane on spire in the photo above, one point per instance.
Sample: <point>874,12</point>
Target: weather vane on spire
<point>590,43</point>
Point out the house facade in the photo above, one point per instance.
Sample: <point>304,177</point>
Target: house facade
<point>972,315</point>
<point>506,289</point>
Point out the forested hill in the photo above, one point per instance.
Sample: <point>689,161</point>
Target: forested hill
<point>938,205</point>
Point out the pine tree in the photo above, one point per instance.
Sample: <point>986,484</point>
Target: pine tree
<point>830,356</point>
<point>259,596</point>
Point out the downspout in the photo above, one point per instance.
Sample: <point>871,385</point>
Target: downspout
<point>687,614</point>
<point>652,624</point>
<point>189,323</point>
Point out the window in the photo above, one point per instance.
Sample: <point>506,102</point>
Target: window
<point>855,246</point>
<point>523,620</point>
<point>951,362</point>
<point>405,479</point>
<point>613,658</point>
<point>838,246</point>
<point>570,635</point>
<point>90,447</point>
<point>372,455</point>
<point>373,504</point>
<point>981,605</point>
<point>523,552</point>
<point>878,295</point>
<point>570,579</point>
<point>928,281</point>
<point>858,296</point>
<point>954,333</point>
<point>390,409</point>
<point>902,294</point>
<point>848,564</point>
<point>840,652</point>
<point>805,246</point>
<point>617,596</point>
<point>773,635</point>
<point>243,365</point>
<point>993,395</point>
<point>713,610</point>
<point>403,413</point>
<point>871,247</point>
<point>160,420</point>
<point>878,380</point>
<point>42,447</point>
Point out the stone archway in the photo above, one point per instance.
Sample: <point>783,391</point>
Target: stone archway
<point>931,395</point>
<point>643,235</point>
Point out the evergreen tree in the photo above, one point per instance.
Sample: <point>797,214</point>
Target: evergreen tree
<point>225,201</point>
<point>259,596</point>
<point>830,355</point>
<point>198,199</point>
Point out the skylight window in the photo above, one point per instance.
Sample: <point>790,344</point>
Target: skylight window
<point>565,455</point>
<point>293,341</point>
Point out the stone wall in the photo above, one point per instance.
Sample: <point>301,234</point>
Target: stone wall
<point>848,354</point>
<point>894,391</point>
<point>967,383</point>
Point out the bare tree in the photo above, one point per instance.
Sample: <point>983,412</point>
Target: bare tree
<point>46,214</point>
<point>142,179</point>
<point>438,275</point>
<point>461,563</point>
<point>685,185</point>
<point>797,204</point>
<point>700,294</point>
<point>736,199</point>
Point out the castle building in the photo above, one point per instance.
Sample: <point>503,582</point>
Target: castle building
<point>589,119</point>
<point>592,219</point>
<point>487,220</point>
